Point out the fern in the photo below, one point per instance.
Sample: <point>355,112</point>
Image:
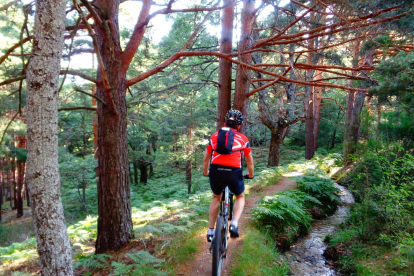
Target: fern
<point>170,228</point>
<point>93,262</point>
<point>283,210</point>
<point>144,257</point>
<point>84,230</point>
<point>122,269</point>
<point>23,250</point>
<point>322,189</point>
<point>144,265</point>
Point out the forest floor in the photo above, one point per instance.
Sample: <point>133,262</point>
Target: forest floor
<point>201,264</point>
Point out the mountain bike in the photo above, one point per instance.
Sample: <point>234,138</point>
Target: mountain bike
<point>219,243</point>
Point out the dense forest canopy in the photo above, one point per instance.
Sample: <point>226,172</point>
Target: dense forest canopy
<point>142,86</point>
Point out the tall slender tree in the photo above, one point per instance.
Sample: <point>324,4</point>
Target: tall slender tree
<point>225,66</point>
<point>42,128</point>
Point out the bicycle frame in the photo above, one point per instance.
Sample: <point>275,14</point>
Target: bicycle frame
<point>220,240</point>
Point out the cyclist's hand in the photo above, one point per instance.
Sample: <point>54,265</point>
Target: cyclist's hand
<point>247,176</point>
<point>206,175</point>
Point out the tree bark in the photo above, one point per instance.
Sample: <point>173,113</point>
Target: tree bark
<point>143,176</point>
<point>188,175</point>
<point>114,205</point>
<point>135,166</point>
<point>42,131</point>
<point>20,178</point>
<point>354,107</point>
<point>309,105</point>
<point>224,88</point>
<point>243,74</point>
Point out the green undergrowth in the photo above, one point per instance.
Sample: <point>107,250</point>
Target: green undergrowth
<point>165,220</point>
<point>289,214</point>
<point>258,256</point>
<point>382,218</point>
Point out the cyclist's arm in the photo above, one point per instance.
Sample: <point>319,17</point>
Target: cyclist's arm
<point>250,165</point>
<point>206,162</point>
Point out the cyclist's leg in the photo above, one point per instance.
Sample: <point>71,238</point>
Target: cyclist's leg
<point>214,210</point>
<point>238,207</point>
<point>216,187</point>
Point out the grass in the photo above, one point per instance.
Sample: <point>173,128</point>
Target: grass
<point>182,248</point>
<point>258,256</point>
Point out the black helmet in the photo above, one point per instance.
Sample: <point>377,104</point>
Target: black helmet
<point>234,115</point>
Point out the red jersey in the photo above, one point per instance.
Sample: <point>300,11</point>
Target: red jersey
<point>240,143</point>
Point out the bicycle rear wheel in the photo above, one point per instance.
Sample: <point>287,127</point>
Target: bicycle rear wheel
<point>218,246</point>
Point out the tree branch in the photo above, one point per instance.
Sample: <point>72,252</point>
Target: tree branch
<point>79,74</point>
<point>327,98</point>
<point>7,127</point>
<point>178,55</point>
<point>137,35</point>
<point>92,12</point>
<point>8,5</point>
<point>98,54</point>
<point>90,95</point>
<point>77,108</point>
<point>14,47</point>
<point>12,80</point>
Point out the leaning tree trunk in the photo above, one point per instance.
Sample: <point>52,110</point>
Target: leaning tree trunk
<point>42,145</point>
<point>224,89</point>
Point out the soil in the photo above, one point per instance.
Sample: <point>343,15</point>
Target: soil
<point>201,263</point>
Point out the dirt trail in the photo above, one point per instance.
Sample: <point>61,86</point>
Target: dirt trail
<point>201,264</point>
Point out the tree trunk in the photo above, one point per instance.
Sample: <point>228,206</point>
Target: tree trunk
<point>309,106</point>
<point>14,184</point>
<point>19,188</point>
<point>348,147</point>
<point>354,107</point>
<point>243,74</point>
<point>143,176</point>
<point>114,205</point>
<point>274,152</point>
<point>135,165</point>
<point>53,243</point>
<point>188,174</point>
<point>20,178</point>
<point>309,124</point>
<point>317,99</point>
<point>224,88</point>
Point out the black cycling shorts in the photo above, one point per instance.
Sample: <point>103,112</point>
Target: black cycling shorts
<point>222,176</point>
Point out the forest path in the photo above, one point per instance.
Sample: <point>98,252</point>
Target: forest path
<point>201,264</point>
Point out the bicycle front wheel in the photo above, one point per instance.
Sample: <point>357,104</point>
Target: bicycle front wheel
<point>218,246</point>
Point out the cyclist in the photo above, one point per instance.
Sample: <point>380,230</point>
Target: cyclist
<point>226,170</point>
